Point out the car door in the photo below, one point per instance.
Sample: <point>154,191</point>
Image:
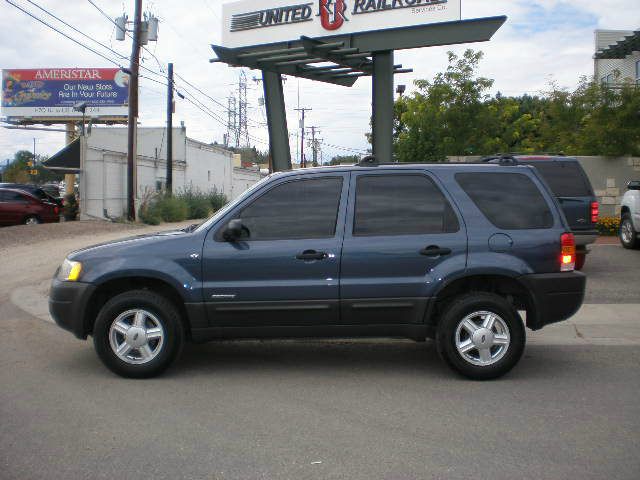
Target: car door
<point>14,206</point>
<point>284,270</point>
<point>4,207</point>
<point>402,237</point>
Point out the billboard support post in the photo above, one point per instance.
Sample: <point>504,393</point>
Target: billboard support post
<point>69,178</point>
<point>277,121</point>
<point>133,114</point>
<point>382,106</point>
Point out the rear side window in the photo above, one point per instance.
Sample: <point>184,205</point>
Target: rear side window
<point>511,201</point>
<point>565,178</point>
<point>401,205</point>
<point>294,210</point>
<point>14,197</point>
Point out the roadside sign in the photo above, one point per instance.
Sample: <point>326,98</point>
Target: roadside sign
<point>257,22</point>
<point>52,92</point>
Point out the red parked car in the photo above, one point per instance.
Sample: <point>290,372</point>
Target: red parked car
<point>20,207</point>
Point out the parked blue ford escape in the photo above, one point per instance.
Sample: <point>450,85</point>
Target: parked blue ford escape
<point>449,252</point>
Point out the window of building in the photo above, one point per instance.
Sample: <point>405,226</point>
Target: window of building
<point>401,204</point>
<point>298,209</point>
<point>511,201</point>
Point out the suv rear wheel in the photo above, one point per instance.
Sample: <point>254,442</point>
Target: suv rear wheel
<point>138,334</point>
<point>480,335</point>
<point>628,236</point>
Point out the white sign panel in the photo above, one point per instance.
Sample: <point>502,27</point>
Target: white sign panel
<point>258,22</point>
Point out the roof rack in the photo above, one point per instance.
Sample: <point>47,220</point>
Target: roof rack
<point>368,161</point>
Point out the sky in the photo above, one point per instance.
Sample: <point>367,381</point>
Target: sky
<point>542,41</point>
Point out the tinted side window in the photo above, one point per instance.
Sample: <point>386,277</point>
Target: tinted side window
<point>511,201</point>
<point>294,210</point>
<point>401,205</point>
<point>13,197</point>
<point>564,178</point>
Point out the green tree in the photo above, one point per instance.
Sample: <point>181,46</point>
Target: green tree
<point>454,115</point>
<point>17,170</point>
<point>445,116</point>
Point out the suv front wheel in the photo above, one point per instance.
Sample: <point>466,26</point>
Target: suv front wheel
<point>480,335</point>
<point>138,334</point>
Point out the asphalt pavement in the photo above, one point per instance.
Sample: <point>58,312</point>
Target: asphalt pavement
<point>322,409</point>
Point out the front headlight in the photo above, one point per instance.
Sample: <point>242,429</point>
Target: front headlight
<point>69,271</point>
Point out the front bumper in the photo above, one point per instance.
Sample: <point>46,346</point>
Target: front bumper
<point>554,297</point>
<point>68,304</point>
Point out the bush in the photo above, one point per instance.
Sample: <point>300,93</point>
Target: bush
<point>201,204</point>
<point>189,203</point>
<point>171,209</point>
<point>608,226</point>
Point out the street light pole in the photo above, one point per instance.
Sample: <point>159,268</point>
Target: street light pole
<point>133,113</point>
<point>170,129</point>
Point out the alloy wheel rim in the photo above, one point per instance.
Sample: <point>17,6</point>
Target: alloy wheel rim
<point>136,336</point>
<point>626,231</point>
<point>482,338</point>
<point>31,221</point>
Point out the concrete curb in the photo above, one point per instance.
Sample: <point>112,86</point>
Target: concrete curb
<point>594,324</point>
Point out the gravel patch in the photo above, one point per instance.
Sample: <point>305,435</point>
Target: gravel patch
<point>32,234</point>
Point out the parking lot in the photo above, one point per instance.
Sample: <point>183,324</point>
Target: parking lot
<point>316,409</point>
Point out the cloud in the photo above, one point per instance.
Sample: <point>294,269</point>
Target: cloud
<point>542,39</point>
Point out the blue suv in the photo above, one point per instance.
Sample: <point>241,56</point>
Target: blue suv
<point>450,252</point>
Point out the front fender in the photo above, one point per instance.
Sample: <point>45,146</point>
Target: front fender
<point>184,278</point>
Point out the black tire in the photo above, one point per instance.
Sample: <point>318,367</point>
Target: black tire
<point>634,241</point>
<point>581,257</point>
<point>456,311</point>
<point>166,314</point>
<point>31,220</point>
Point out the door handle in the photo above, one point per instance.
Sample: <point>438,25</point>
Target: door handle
<point>311,255</point>
<point>434,251</point>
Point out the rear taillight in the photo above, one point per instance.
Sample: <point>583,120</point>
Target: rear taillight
<point>568,252</point>
<point>56,210</point>
<point>595,211</point>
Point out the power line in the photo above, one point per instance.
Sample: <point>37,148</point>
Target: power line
<point>76,30</point>
<point>110,60</point>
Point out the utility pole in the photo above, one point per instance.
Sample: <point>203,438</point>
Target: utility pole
<point>170,129</point>
<point>303,162</point>
<point>314,144</point>
<point>133,113</point>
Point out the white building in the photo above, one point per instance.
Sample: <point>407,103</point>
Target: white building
<point>617,57</point>
<point>102,168</point>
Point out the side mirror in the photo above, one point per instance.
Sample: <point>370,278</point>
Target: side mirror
<point>634,185</point>
<point>233,231</point>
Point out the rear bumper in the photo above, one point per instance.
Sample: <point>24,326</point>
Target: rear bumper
<point>68,304</point>
<point>555,297</point>
<point>585,237</point>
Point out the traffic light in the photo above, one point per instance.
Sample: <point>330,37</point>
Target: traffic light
<point>29,164</point>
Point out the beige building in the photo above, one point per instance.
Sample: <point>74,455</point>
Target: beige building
<point>617,57</point>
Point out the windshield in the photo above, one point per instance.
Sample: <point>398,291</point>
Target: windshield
<point>220,213</point>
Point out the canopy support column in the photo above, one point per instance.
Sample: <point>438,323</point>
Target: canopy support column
<point>382,106</point>
<point>277,121</point>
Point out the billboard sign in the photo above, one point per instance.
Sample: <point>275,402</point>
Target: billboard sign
<point>257,22</point>
<point>52,92</point>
